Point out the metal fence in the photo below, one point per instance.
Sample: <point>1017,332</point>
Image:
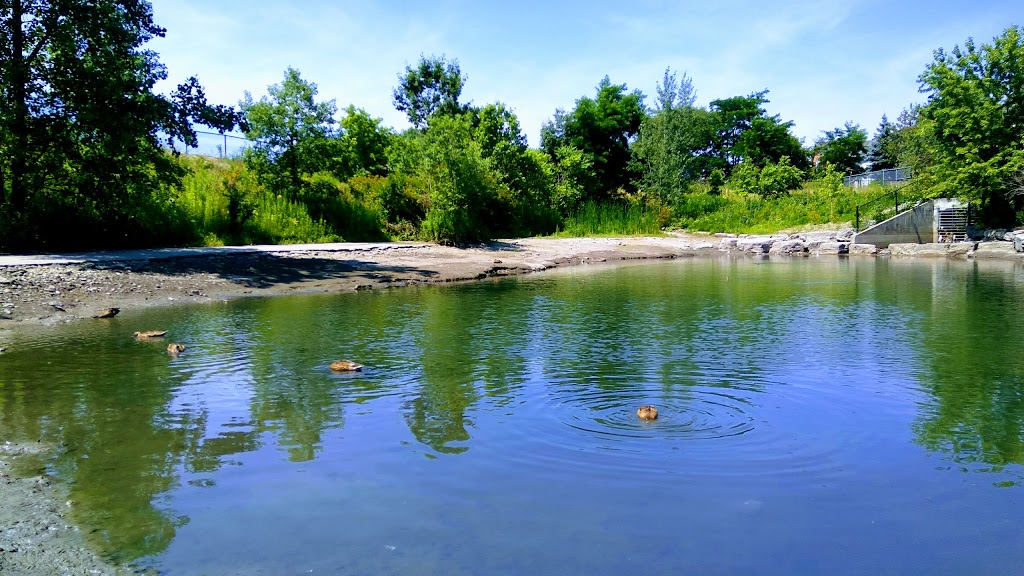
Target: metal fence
<point>887,176</point>
<point>218,145</point>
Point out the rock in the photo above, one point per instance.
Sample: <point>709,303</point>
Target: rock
<point>755,244</point>
<point>788,247</point>
<point>911,249</point>
<point>960,249</point>
<point>995,251</point>
<point>817,237</point>
<point>832,248</point>
<point>724,235</point>
<point>863,249</point>
<point>728,244</point>
<point>1018,241</point>
<point>845,235</point>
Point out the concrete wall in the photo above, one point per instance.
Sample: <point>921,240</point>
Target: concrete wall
<point>914,226</point>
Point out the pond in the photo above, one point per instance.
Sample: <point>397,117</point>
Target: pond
<point>816,416</point>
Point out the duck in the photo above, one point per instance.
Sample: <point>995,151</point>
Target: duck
<point>107,313</point>
<point>145,334</point>
<point>345,366</point>
<point>647,412</point>
<point>175,348</point>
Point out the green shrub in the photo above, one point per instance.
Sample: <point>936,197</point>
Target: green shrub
<point>612,219</point>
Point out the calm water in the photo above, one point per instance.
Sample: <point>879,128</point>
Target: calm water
<point>818,417</point>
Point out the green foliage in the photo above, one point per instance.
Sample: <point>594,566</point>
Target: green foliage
<point>292,135</point>
<point>432,87</point>
<point>882,152</point>
<point>602,128</point>
<point>845,148</point>
<point>573,172</point>
<point>975,115</point>
<point>715,181</point>
<point>612,219</point>
<point>80,127</point>
<point>771,181</point>
<point>743,132</point>
<point>672,138</point>
<point>366,142</point>
<point>816,202</point>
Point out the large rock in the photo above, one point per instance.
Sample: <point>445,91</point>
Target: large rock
<point>933,250</point>
<point>996,251</point>
<point>727,244</point>
<point>791,247</point>
<point>845,235</point>
<point>1018,241</point>
<point>755,244</point>
<point>863,249</point>
<point>831,248</point>
<point>818,237</point>
<point>960,249</point>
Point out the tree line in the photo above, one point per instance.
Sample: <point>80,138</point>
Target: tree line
<point>88,158</point>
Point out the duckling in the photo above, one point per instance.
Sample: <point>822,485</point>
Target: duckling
<point>107,313</point>
<point>175,348</point>
<point>345,366</point>
<point>647,412</point>
<point>150,334</point>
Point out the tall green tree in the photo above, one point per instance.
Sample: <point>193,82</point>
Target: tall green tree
<point>294,135</point>
<point>882,149</point>
<point>366,140</point>
<point>745,133</point>
<point>431,87</point>
<point>674,138</point>
<point>602,127</point>
<point>80,126</point>
<point>845,148</point>
<point>976,109</point>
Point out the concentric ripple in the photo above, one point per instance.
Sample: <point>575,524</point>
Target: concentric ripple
<point>690,412</point>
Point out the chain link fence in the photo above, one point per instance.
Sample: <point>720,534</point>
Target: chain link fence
<point>218,145</point>
<point>887,176</point>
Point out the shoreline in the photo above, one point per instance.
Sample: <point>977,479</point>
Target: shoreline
<point>53,289</point>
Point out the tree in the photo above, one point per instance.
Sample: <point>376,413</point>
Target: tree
<point>366,141</point>
<point>673,139</point>
<point>80,127</point>
<point>745,132</point>
<point>293,134</point>
<point>976,110</point>
<point>845,148</point>
<point>432,87</point>
<point>603,128</point>
<point>882,149</point>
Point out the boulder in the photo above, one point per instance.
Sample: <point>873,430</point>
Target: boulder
<point>790,247</point>
<point>727,244</point>
<point>1018,241</point>
<point>960,249</point>
<point>845,235</point>
<point>755,244</point>
<point>933,250</point>
<point>818,237</point>
<point>995,251</point>
<point>863,249</point>
<point>831,248</point>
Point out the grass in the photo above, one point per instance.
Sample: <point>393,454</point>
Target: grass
<point>814,203</point>
<point>611,219</point>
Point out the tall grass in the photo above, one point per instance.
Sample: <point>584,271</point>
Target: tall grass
<point>815,203</point>
<point>612,219</point>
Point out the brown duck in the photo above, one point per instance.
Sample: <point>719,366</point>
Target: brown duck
<point>146,334</point>
<point>647,412</point>
<point>345,366</point>
<point>107,313</point>
<point>175,348</point>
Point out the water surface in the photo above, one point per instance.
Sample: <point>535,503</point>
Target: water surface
<point>817,416</point>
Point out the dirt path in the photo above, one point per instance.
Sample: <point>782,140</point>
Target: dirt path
<point>38,292</point>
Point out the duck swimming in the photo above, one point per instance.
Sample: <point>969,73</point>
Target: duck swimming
<point>647,412</point>
<point>175,348</point>
<point>345,366</point>
<point>107,313</point>
<point>150,334</point>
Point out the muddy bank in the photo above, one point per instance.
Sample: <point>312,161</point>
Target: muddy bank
<point>37,535</point>
<point>51,293</point>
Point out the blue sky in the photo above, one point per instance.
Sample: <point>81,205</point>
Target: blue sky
<point>824,62</point>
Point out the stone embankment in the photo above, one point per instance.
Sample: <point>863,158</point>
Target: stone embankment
<point>992,245</point>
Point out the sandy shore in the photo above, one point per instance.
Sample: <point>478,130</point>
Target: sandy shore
<point>52,293</point>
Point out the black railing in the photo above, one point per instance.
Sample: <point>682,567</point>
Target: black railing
<point>889,198</point>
